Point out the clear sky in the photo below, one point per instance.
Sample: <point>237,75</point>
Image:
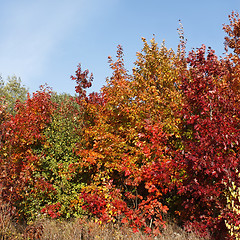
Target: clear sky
<point>42,41</point>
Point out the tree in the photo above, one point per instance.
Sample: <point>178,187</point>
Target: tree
<point>232,43</point>
<point>13,90</point>
<point>124,136</point>
<point>210,135</point>
<point>58,158</point>
<point>22,188</point>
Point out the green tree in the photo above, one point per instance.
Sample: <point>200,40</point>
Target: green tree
<point>12,90</point>
<point>58,158</point>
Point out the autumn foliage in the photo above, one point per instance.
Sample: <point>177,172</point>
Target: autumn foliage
<point>163,140</point>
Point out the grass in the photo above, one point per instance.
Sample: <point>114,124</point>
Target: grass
<point>80,229</point>
<point>89,230</point>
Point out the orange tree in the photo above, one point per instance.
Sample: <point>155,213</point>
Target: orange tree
<point>127,128</point>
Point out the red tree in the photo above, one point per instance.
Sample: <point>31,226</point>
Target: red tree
<point>211,134</point>
<point>22,138</point>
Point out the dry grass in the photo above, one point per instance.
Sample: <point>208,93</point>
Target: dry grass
<point>81,229</point>
<point>89,230</point>
<point>8,230</point>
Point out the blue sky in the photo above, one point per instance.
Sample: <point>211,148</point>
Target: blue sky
<point>43,41</point>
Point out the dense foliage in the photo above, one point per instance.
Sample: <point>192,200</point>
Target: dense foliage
<point>162,140</point>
